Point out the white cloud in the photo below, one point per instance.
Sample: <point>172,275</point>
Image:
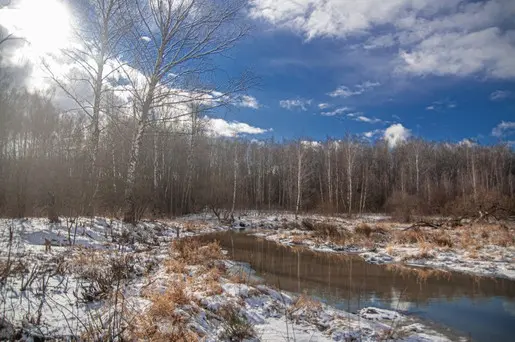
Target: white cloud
<point>222,128</point>
<point>462,54</point>
<point>396,134</point>
<point>505,128</point>
<point>324,105</point>
<point>292,104</point>
<point>441,105</point>
<point>359,116</point>
<point>500,95</point>
<point>467,142</point>
<point>311,144</point>
<point>257,142</point>
<point>248,101</point>
<point>373,133</point>
<point>335,112</point>
<point>344,91</point>
<point>439,37</point>
<point>366,119</point>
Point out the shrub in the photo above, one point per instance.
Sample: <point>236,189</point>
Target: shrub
<point>162,321</point>
<point>410,236</point>
<point>235,327</point>
<point>442,239</point>
<point>363,229</point>
<point>193,252</point>
<point>326,229</point>
<point>103,269</point>
<point>308,225</point>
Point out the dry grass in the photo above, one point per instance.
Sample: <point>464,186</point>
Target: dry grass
<point>102,268</point>
<point>194,226</point>
<point>175,266</point>
<point>298,238</point>
<point>411,236</point>
<point>466,237</point>
<point>210,282</point>
<point>442,239</point>
<point>235,326</point>
<point>305,302</point>
<point>162,321</point>
<point>192,252</point>
<point>363,229</point>
<point>331,232</point>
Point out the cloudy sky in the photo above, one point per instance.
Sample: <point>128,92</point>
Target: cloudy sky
<point>437,69</point>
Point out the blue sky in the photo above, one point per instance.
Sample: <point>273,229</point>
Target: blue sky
<point>444,70</point>
<point>441,70</point>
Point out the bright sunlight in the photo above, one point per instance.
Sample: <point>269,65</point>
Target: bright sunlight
<point>45,24</point>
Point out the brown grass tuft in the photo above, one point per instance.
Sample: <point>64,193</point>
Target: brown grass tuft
<point>162,321</point>
<point>442,239</point>
<point>192,252</point>
<point>305,302</point>
<point>363,229</point>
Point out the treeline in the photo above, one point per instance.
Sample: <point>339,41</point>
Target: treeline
<point>45,166</point>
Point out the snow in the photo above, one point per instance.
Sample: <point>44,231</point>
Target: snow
<point>54,304</point>
<point>488,260</point>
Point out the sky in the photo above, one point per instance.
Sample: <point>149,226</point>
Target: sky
<point>442,70</point>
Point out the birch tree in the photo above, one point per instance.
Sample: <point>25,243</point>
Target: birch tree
<point>175,40</point>
<point>93,57</point>
<point>300,156</point>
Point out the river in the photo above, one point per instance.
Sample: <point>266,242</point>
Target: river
<point>461,304</point>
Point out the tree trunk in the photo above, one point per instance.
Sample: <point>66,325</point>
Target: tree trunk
<point>299,180</point>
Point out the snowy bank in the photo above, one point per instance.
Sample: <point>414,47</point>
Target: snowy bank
<point>98,279</point>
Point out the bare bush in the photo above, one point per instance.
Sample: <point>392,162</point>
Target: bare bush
<point>236,327</point>
<point>193,252</point>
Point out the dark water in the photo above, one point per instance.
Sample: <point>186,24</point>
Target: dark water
<point>482,308</point>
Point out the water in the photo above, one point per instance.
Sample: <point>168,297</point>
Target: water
<point>482,308</point>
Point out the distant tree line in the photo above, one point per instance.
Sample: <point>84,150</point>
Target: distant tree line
<point>132,140</point>
<point>45,169</point>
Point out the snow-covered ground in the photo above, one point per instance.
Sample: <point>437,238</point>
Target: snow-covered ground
<point>98,278</point>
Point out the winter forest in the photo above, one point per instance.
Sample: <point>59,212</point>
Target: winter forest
<point>53,163</point>
<point>133,138</point>
<point>136,205</point>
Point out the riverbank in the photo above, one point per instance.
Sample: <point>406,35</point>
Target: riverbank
<point>100,279</point>
<point>482,249</point>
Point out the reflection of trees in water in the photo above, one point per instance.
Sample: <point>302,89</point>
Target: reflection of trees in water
<point>344,276</point>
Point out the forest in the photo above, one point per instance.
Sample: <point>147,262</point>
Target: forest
<point>130,138</point>
<point>135,205</point>
<point>47,168</point>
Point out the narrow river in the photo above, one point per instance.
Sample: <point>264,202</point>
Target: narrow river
<point>482,308</point>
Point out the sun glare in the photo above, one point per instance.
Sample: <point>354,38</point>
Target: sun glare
<point>45,24</point>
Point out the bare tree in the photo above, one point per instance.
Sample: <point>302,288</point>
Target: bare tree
<point>300,155</point>
<point>7,36</point>
<point>174,41</point>
<point>99,43</point>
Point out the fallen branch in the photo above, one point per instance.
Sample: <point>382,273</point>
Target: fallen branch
<point>421,224</point>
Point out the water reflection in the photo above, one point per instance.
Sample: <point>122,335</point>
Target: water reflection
<point>483,307</point>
